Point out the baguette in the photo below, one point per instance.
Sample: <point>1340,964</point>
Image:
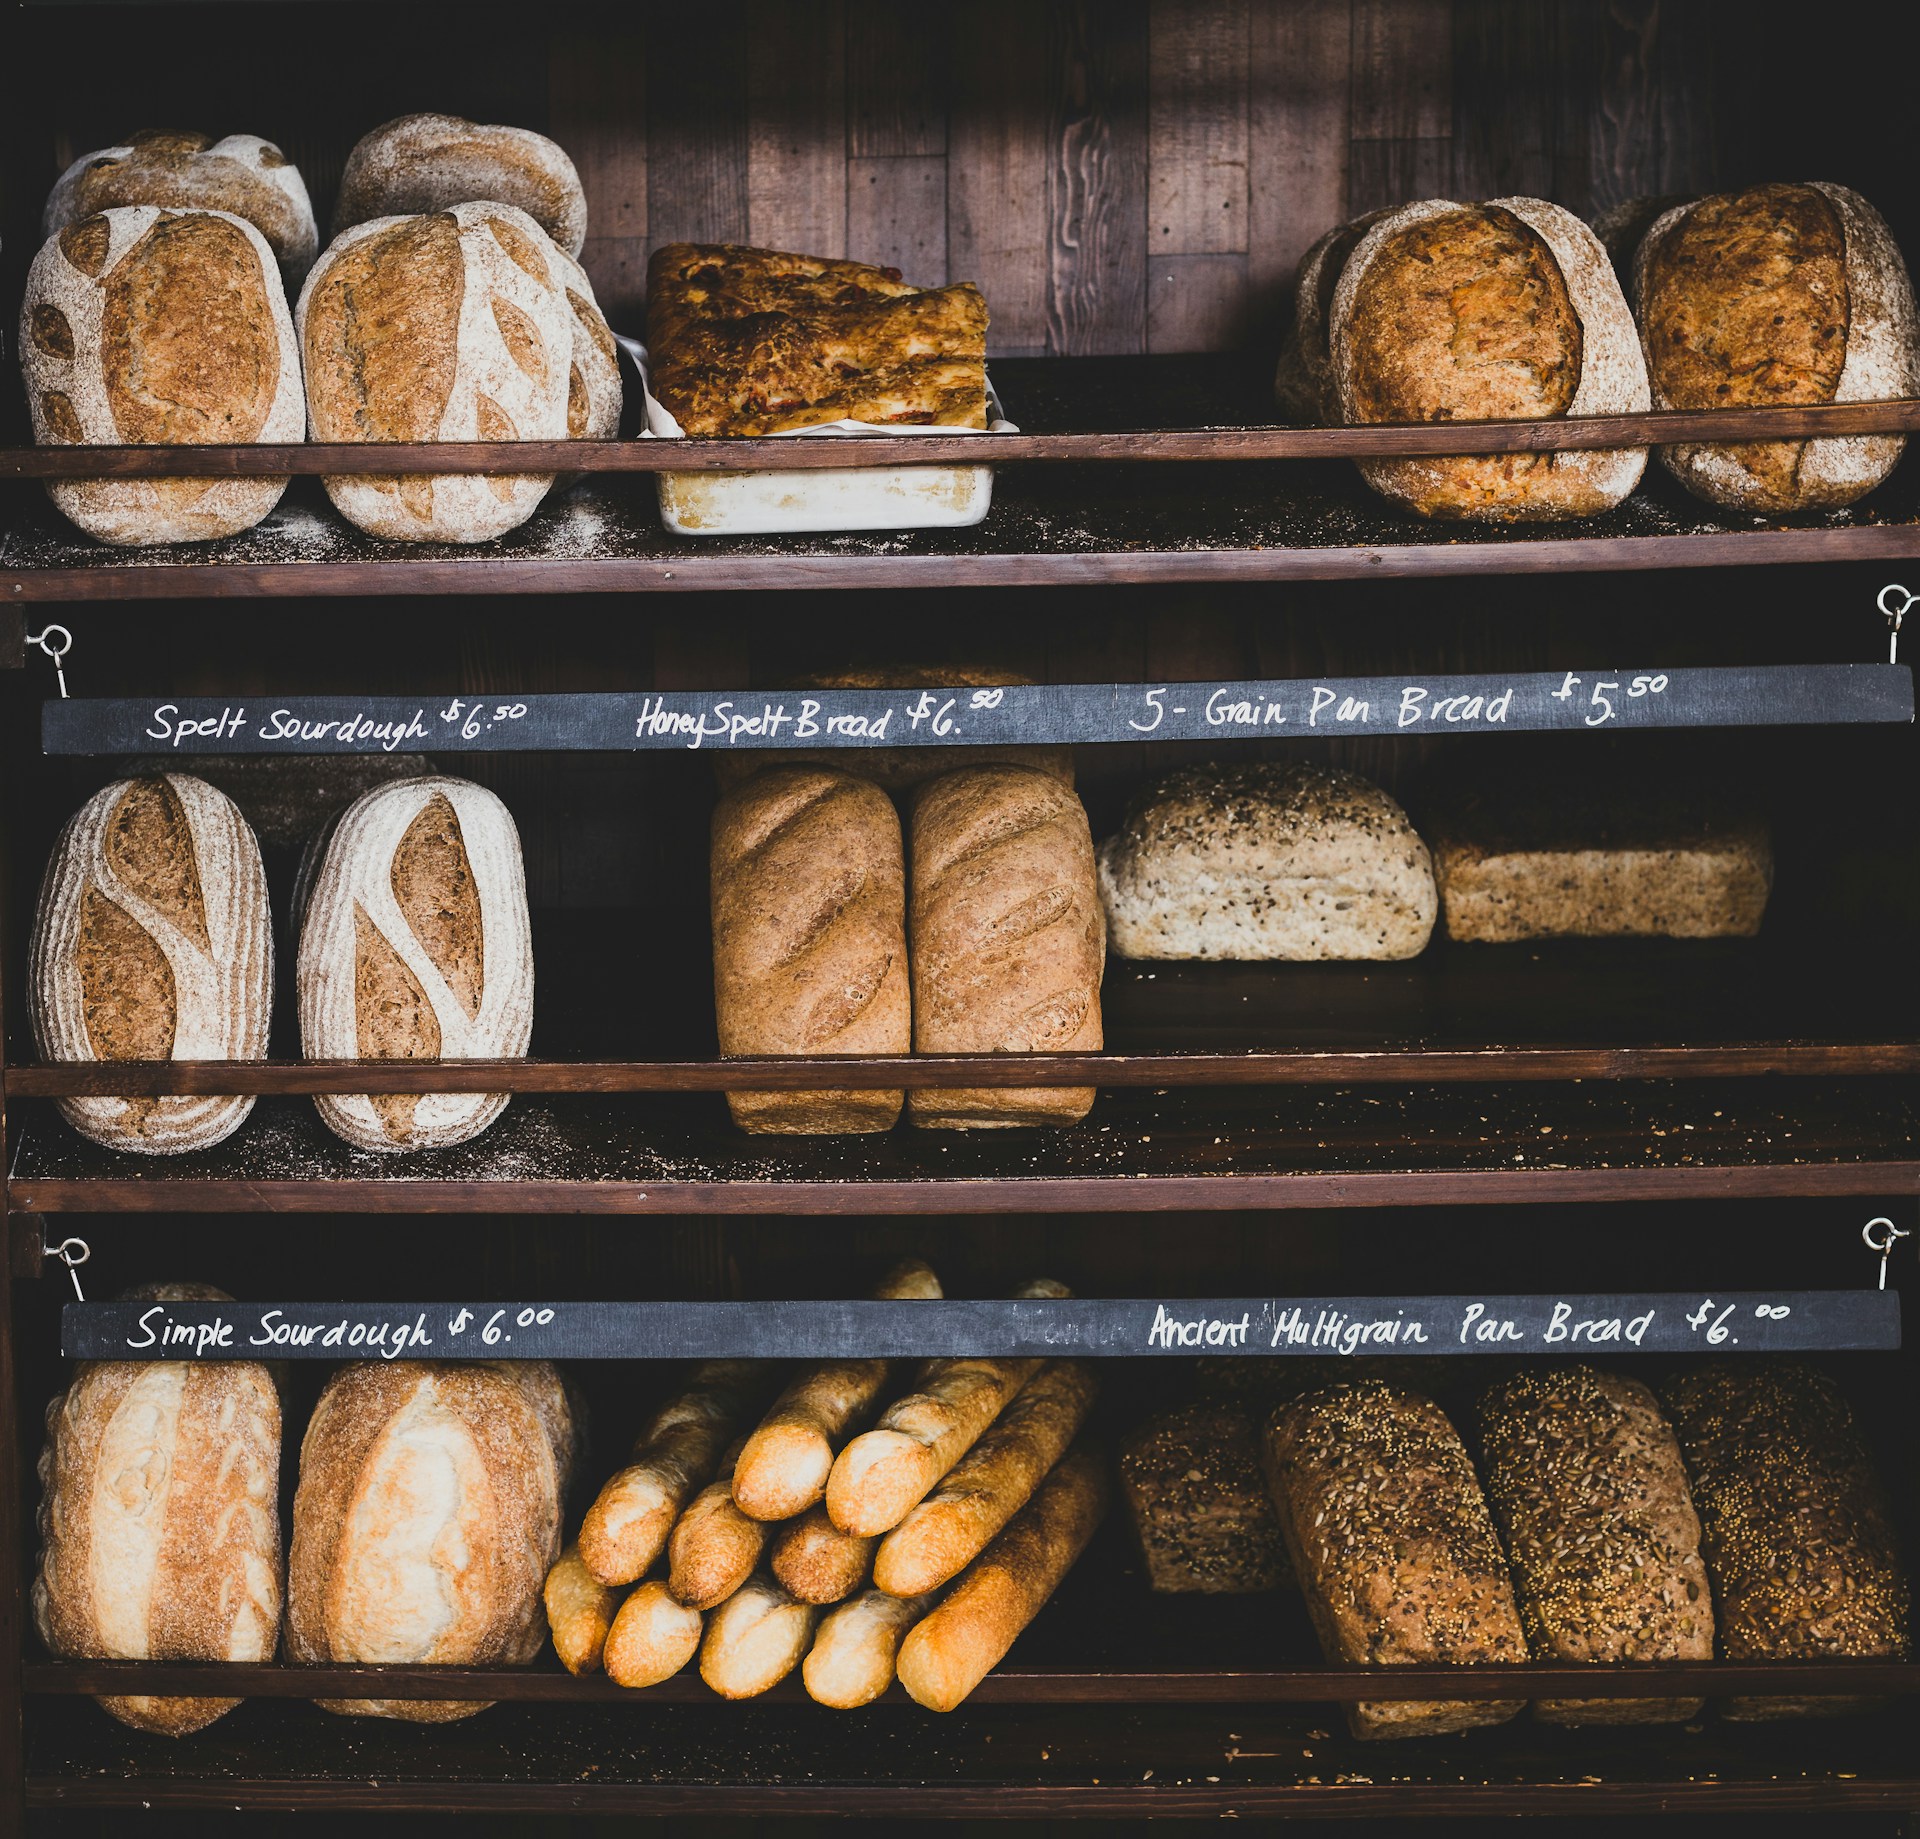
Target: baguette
<point>579,1612</point>
<point>627,1526</point>
<point>852,1658</point>
<point>755,1639</point>
<point>784,1466</point>
<point>989,1485</point>
<point>882,1475</point>
<point>652,1637</point>
<point>818,1562</point>
<point>955,1647</point>
<point>714,1546</point>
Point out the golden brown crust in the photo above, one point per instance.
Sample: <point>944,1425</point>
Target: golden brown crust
<point>713,1547</point>
<point>816,1561</point>
<point>652,1637</point>
<point>580,1611</point>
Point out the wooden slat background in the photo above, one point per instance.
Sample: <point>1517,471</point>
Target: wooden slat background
<point>1118,175</point>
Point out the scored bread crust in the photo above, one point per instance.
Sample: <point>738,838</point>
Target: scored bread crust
<point>426,1520</point>
<point>594,391</point>
<point>240,173</point>
<point>165,327</point>
<point>449,326</point>
<point>354,907</point>
<point>160,1519</point>
<point>428,162</point>
<point>1612,381</point>
<point>217,951</point>
<point>1882,361</point>
<point>1267,861</point>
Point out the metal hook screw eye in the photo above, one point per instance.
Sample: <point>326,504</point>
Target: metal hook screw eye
<point>1885,1243</point>
<point>44,640</point>
<point>73,1253</point>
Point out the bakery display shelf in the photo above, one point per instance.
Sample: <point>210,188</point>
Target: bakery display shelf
<point>986,1760</point>
<point>1054,524</point>
<point>1139,1151</point>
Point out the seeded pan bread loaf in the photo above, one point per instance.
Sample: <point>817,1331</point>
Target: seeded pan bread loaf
<point>1199,1502</point>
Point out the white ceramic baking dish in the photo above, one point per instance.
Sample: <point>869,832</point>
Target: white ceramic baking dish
<point>845,498</point>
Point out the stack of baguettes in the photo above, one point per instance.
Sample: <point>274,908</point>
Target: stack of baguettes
<point>813,1529</point>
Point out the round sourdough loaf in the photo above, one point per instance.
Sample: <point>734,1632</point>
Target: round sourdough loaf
<point>160,1519</point>
<point>1779,294</point>
<point>432,162</point>
<point>151,942</point>
<point>415,945</point>
<point>1496,311</point>
<point>425,1522</point>
<point>454,326</point>
<point>1267,861</point>
<point>594,394</point>
<point>243,174</point>
<point>150,326</point>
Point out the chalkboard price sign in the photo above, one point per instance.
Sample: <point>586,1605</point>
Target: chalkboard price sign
<point>1580,701</point>
<point>1744,1322</point>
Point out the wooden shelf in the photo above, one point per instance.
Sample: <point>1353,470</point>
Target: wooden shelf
<point>1076,522</point>
<point>1138,1152</point>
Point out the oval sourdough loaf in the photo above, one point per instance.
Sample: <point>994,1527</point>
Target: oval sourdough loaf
<point>242,173</point>
<point>1267,861</point>
<point>1779,294</point>
<point>1503,310</point>
<point>160,1519</point>
<point>168,328</point>
<point>416,945</point>
<point>1006,937</point>
<point>809,939</point>
<point>434,162</point>
<point>426,1519</point>
<point>449,327</point>
<point>152,943</point>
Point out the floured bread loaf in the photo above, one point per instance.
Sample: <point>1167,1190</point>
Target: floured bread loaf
<point>145,326</point>
<point>454,326</point>
<point>152,943</point>
<point>434,162</point>
<point>241,173</point>
<point>426,1520</point>
<point>160,1519</point>
<point>1778,294</point>
<point>1267,861</point>
<point>416,945</point>
<point>1507,310</point>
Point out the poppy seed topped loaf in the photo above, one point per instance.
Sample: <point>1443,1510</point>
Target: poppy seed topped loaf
<point>1267,861</point>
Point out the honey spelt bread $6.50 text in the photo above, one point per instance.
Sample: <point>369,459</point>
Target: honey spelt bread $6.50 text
<point>416,945</point>
<point>453,326</point>
<point>151,943</point>
<point>168,328</point>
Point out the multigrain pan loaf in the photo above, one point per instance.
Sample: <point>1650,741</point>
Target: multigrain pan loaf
<point>1505,310</point>
<point>165,328</point>
<point>240,173</point>
<point>419,163</point>
<point>426,1520</point>
<point>808,898</point>
<point>151,942</point>
<point>1775,295</point>
<point>1562,858</point>
<point>1798,1537</point>
<point>454,326</point>
<point>1267,861</point>
<point>160,1519</point>
<point>1007,939</point>
<point>1395,1550</point>
<point>1199,1502</point>
<point>416,945</point>
<point>900,769</point>
<point>1588,1490</point>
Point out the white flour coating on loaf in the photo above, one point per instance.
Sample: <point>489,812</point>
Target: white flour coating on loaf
<point>432,162</point>
<point>1267,861</point>
<point>160,327</point>
<point>448,975</point>
<point>152,933</point>
<point>594,391</point>
<point>451,326</point>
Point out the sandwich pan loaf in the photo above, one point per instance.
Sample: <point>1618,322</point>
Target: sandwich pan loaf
<point>152,943</point>
<point>149,326</point>
<point>416,945</point>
